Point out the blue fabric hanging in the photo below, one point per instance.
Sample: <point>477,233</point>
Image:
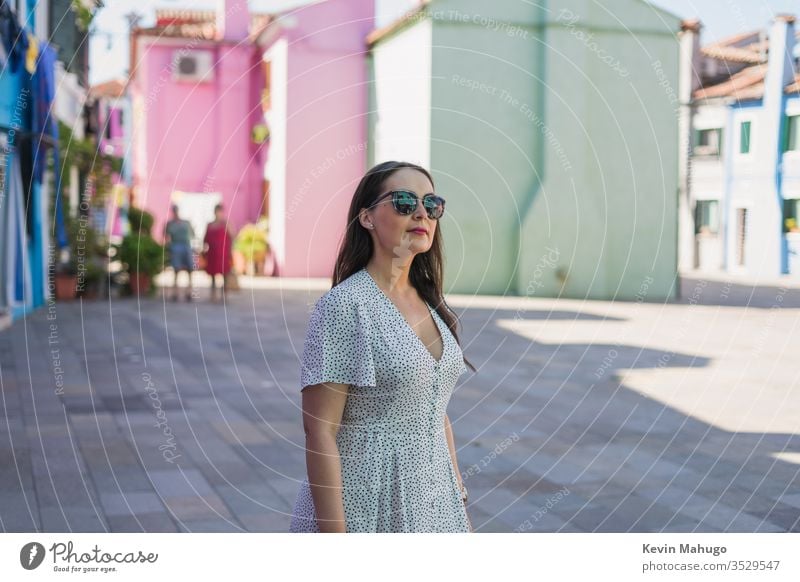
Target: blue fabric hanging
<point>44,123</point>
<point>15,41</point>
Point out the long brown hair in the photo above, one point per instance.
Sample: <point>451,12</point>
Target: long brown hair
<point>427,269</point>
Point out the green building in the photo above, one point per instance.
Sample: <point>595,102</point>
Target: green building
<point>551,130</point>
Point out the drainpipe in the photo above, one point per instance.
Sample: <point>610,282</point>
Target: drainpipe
<point>690,61</point>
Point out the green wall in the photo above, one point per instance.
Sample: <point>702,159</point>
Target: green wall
<point>558,161</point>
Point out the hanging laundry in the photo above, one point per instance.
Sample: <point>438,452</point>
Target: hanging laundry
<point>32,54</point>
<point>44,123</point>
<point>14,38</point>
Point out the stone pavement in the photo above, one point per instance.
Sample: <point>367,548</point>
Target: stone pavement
<point>583,416</point>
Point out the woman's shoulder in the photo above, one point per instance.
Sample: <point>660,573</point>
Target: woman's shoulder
<point>347,292</point>
<point>351,295</point>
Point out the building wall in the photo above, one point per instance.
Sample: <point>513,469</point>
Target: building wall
<point>322,153</point>
<point>195,136</point>
<point>707,183</point>
<point>610,213</point>
<point>790,188</point>
<point>402,85</point>
<point>560,170</point>
<point>486,154</point>
<point>281,210</point>
<point>72,43</point>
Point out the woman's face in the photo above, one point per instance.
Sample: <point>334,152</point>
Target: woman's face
<point>402,236</point>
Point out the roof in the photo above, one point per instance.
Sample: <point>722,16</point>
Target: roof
<point>196,24</point>
<point>794,88</point>
<point>113,89</point>
<point>746,84</point>
<point>401,22</point>
<point>750,49</point>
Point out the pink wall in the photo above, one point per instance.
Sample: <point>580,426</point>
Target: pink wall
<point>198,134</point>
<point>326,143</point>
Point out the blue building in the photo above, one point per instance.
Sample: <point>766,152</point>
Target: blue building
<point>740,118</point>
<point>29,168</point>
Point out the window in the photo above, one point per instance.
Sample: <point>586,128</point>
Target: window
<point>109,122</point>
<point>708,142</point>
<point>706,217</point>
<point>792,138</point>
<point>791,215</point>
<point>744,137</point>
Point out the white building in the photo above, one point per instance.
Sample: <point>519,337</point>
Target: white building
<point>740,124</point>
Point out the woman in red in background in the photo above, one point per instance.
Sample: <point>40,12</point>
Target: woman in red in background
<point>218,242</point>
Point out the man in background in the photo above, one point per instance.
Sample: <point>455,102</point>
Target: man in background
<point>179,234</point>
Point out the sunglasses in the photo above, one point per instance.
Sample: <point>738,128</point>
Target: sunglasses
<point>405,202</point>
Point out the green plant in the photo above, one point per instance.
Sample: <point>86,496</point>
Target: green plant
<point>141,221</point>
<point>251,241</point>
<point>141,254</point>
<point>84,12</point>
<point>260,133</point>
<point>84,155</point>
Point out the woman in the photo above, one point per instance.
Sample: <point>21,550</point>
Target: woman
<point>380,361</point>
<point>217,243</point>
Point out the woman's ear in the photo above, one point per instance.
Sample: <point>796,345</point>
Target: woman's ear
<point>365,219</point>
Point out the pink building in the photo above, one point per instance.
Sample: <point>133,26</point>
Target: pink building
<point>111,112</point>
<point>316,106</point>
<point>195,90</point>
<point>267,113</point>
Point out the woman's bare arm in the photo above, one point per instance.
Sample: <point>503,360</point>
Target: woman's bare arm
<point>322,412</point>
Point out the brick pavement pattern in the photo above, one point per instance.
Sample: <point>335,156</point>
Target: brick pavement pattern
<point>583,416</point>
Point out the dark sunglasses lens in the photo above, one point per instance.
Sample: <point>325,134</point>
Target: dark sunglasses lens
<point>434,205</point>
<point>404,202</point>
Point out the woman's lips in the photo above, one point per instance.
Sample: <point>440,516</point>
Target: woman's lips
<point>419,231</point>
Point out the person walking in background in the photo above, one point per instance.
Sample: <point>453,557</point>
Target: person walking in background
<point>218,242</point>
<point>179,234</point>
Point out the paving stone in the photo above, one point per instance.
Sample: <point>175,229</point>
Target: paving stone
<point>647,447</point>
<point>143,522</point>
<point>121,504</point>
<point>210,526</point>
<point>198,508</point>
<point>175,483</point>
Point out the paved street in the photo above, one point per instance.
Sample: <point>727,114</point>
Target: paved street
<point>583,416</point>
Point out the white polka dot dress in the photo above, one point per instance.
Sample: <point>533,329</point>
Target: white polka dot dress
<point>397,474</point>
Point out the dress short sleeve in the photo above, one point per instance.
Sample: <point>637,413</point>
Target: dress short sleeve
<point>338,347</point>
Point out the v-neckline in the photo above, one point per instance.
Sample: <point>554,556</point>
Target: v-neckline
<point>408,325</point>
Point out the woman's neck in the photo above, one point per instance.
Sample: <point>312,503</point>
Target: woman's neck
<point>390,276</point>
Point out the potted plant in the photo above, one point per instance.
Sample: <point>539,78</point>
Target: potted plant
<point>66,279</point>
<point>251,242</point>
<point>265,265</point>
<point>91,280</point>
<point>141,256</point>
<point>89,256</point>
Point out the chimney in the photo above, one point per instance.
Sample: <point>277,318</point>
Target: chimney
<point>691,59</point>
<point>233,20</point>
<point>780,68</point>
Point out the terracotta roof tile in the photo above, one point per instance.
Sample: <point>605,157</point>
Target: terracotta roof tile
<point>113,88</point>
<point>196,24</point>
<point>414,14</point>
<point>795,86</point>
<point>746,84</point>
